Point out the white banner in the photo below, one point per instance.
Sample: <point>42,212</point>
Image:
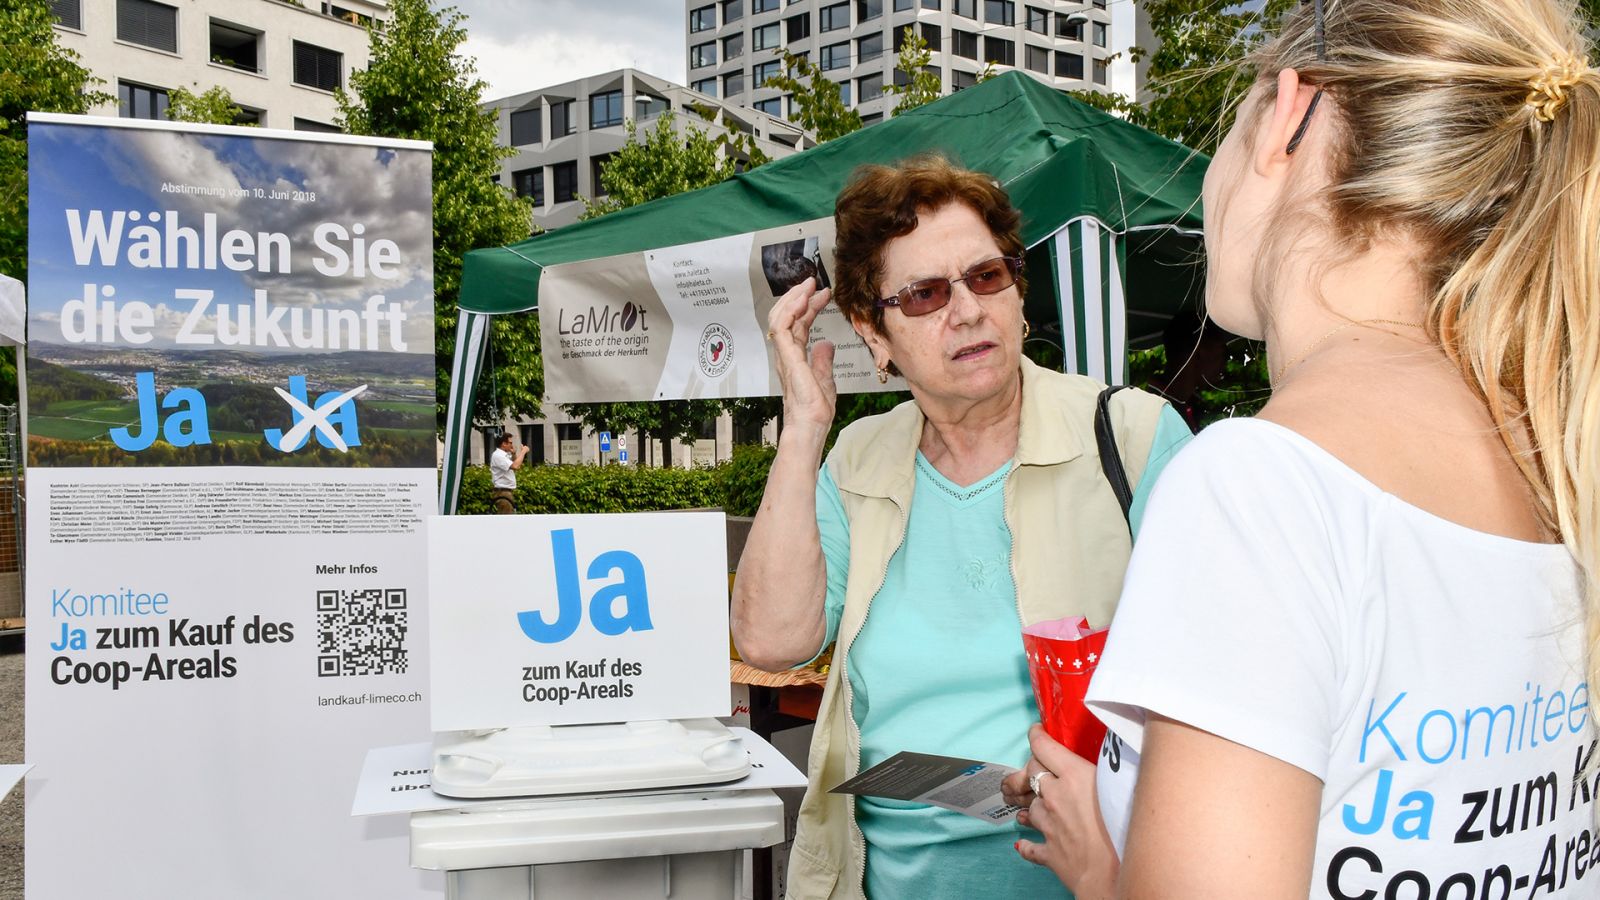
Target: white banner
<point>603,618</point>
<point>230,411</point>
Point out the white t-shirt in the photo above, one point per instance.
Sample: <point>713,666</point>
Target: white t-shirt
<point>500,475</point>
<point>1431,676</point>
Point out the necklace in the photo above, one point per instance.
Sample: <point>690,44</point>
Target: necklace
<point>1278,378</point>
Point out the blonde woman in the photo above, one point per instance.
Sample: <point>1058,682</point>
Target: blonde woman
<point>1351,656</point>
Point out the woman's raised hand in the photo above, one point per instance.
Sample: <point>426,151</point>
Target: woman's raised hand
<point>809,393</point>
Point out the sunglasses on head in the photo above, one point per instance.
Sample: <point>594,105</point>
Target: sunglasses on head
<point>1322,54</point>
<point>932,294</point>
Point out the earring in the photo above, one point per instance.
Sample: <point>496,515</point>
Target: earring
<point>1026,328</point>
<point>883,374</point>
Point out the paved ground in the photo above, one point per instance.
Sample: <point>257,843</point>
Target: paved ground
<point>11,752</point>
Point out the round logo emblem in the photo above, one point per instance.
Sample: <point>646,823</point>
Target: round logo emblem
<point>716,351</point>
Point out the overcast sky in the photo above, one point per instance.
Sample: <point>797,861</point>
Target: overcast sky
<point>522,45</point>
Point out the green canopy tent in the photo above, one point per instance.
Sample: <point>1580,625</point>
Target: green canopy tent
<point>1110,214</point>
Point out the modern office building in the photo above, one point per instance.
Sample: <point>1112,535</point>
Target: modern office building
<point>564,133</point>
<point>1067,44</point>
<point>281,60</point>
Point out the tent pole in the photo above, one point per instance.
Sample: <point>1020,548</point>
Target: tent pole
<point>472,341</point>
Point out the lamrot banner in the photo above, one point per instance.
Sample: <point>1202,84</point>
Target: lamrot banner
<point>230,422</point>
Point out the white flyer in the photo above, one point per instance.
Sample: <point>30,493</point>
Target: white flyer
<point>967,786</point>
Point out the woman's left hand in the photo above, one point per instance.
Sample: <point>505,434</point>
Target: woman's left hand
<point>1077,847</point>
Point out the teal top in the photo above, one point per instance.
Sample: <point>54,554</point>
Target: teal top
<point>938,668</point>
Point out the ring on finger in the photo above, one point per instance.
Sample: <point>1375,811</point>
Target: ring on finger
<point>1033,781</point>
<point>771,333</point>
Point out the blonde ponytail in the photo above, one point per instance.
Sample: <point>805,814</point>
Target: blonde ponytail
<point>1474,126</point>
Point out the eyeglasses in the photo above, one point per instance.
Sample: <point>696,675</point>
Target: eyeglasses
<point>932,294</point>
<point>1322,54</point>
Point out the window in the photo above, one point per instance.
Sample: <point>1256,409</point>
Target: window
<point>932,35</point>
<point>1000,52</point>
<point>1038,20</point>
<point>235,47</point>
<point>569,442</point>
<point>148,24</point>
<point>1038,60</point>
<point>596,163</point>
<point>1067,28</point>
<point>314,126</point>
<point>529,183</point>
<point>869,87</point>
<point>999,12</point>
<point>960,80</point>
<point>533,439</point>
<point>68,13</point>
<point>733,83</point>
<point>733,46</point>
<point>761,6</point>
<point>834,17</point>
<point>799,27</point>
<point>137,101</point>
<point>930,4</point>
<point>702,55</point>
<point>248,116</point>
<point>765,37</point>
<point>764,72</point>
<point>648,106</point>
<point>561,123</point>
<point>900,38</point>
<point>1069,65</point>
<point>844,92</point>
<point>1099,34</point>
<point>732,11</point>
<point>902,5</point>
<point>868,9</point>
<point>1099,4</point>
<point>605,109</point>
<point>1100,71</point>
<point>703,19</point>
<point>869,48</point>
<point>773,107</point>
<point>964,44</point>
<point>564,177</point>
<point>317,67</point>
<point>707,86</point>
<point>525,127</point>
<point>836,56</point>
<point>873,119</point>
<point>967,8</point>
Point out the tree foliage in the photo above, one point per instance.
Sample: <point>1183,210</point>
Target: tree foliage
<point>418,86</point>
<point>40,75</point>
<point>214,106</point>
<point>818,107</point>
<point>922,86</point>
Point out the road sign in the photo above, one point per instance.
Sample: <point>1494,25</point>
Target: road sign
<point>622,442</point>
<point>605,442</point>
<point>623,457</point>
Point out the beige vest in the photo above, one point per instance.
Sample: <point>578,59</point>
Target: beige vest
<point>1070,546</point>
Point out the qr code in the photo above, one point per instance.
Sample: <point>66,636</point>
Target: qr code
<point>361,632</point>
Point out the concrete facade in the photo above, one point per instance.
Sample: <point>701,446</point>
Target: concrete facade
<point>563,133</point>
<point>730,44</point>
<point>279,59</point>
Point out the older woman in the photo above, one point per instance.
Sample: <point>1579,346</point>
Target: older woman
<point>933,533</point>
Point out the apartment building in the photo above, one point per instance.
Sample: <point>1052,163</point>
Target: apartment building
<point>564,133</point>
<point>281,60</point>
<point>731,45</point>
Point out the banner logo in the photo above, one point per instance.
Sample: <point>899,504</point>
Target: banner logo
<point>716,351</point>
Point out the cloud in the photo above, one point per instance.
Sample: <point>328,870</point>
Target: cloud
<point>563,40</point>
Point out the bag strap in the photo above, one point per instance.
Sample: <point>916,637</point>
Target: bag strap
<point>1110,458</point>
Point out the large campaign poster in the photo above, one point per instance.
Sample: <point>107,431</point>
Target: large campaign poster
<point>230,414</point>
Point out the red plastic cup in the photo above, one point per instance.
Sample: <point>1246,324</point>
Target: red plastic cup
<point>1062,655</point>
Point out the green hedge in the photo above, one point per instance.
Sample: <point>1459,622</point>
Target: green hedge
<point>735,486</point>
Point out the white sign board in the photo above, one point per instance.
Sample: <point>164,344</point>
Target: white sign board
<point>566,620</point>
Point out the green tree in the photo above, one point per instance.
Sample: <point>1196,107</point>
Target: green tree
<point>922,86</point>
<point>214,106</point>
<point>40,75</point>
<point>417,85</point>
<point>818,108</point>
<point>661,163</point>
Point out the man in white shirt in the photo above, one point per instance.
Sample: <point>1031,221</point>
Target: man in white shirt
<point>502,477</point>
